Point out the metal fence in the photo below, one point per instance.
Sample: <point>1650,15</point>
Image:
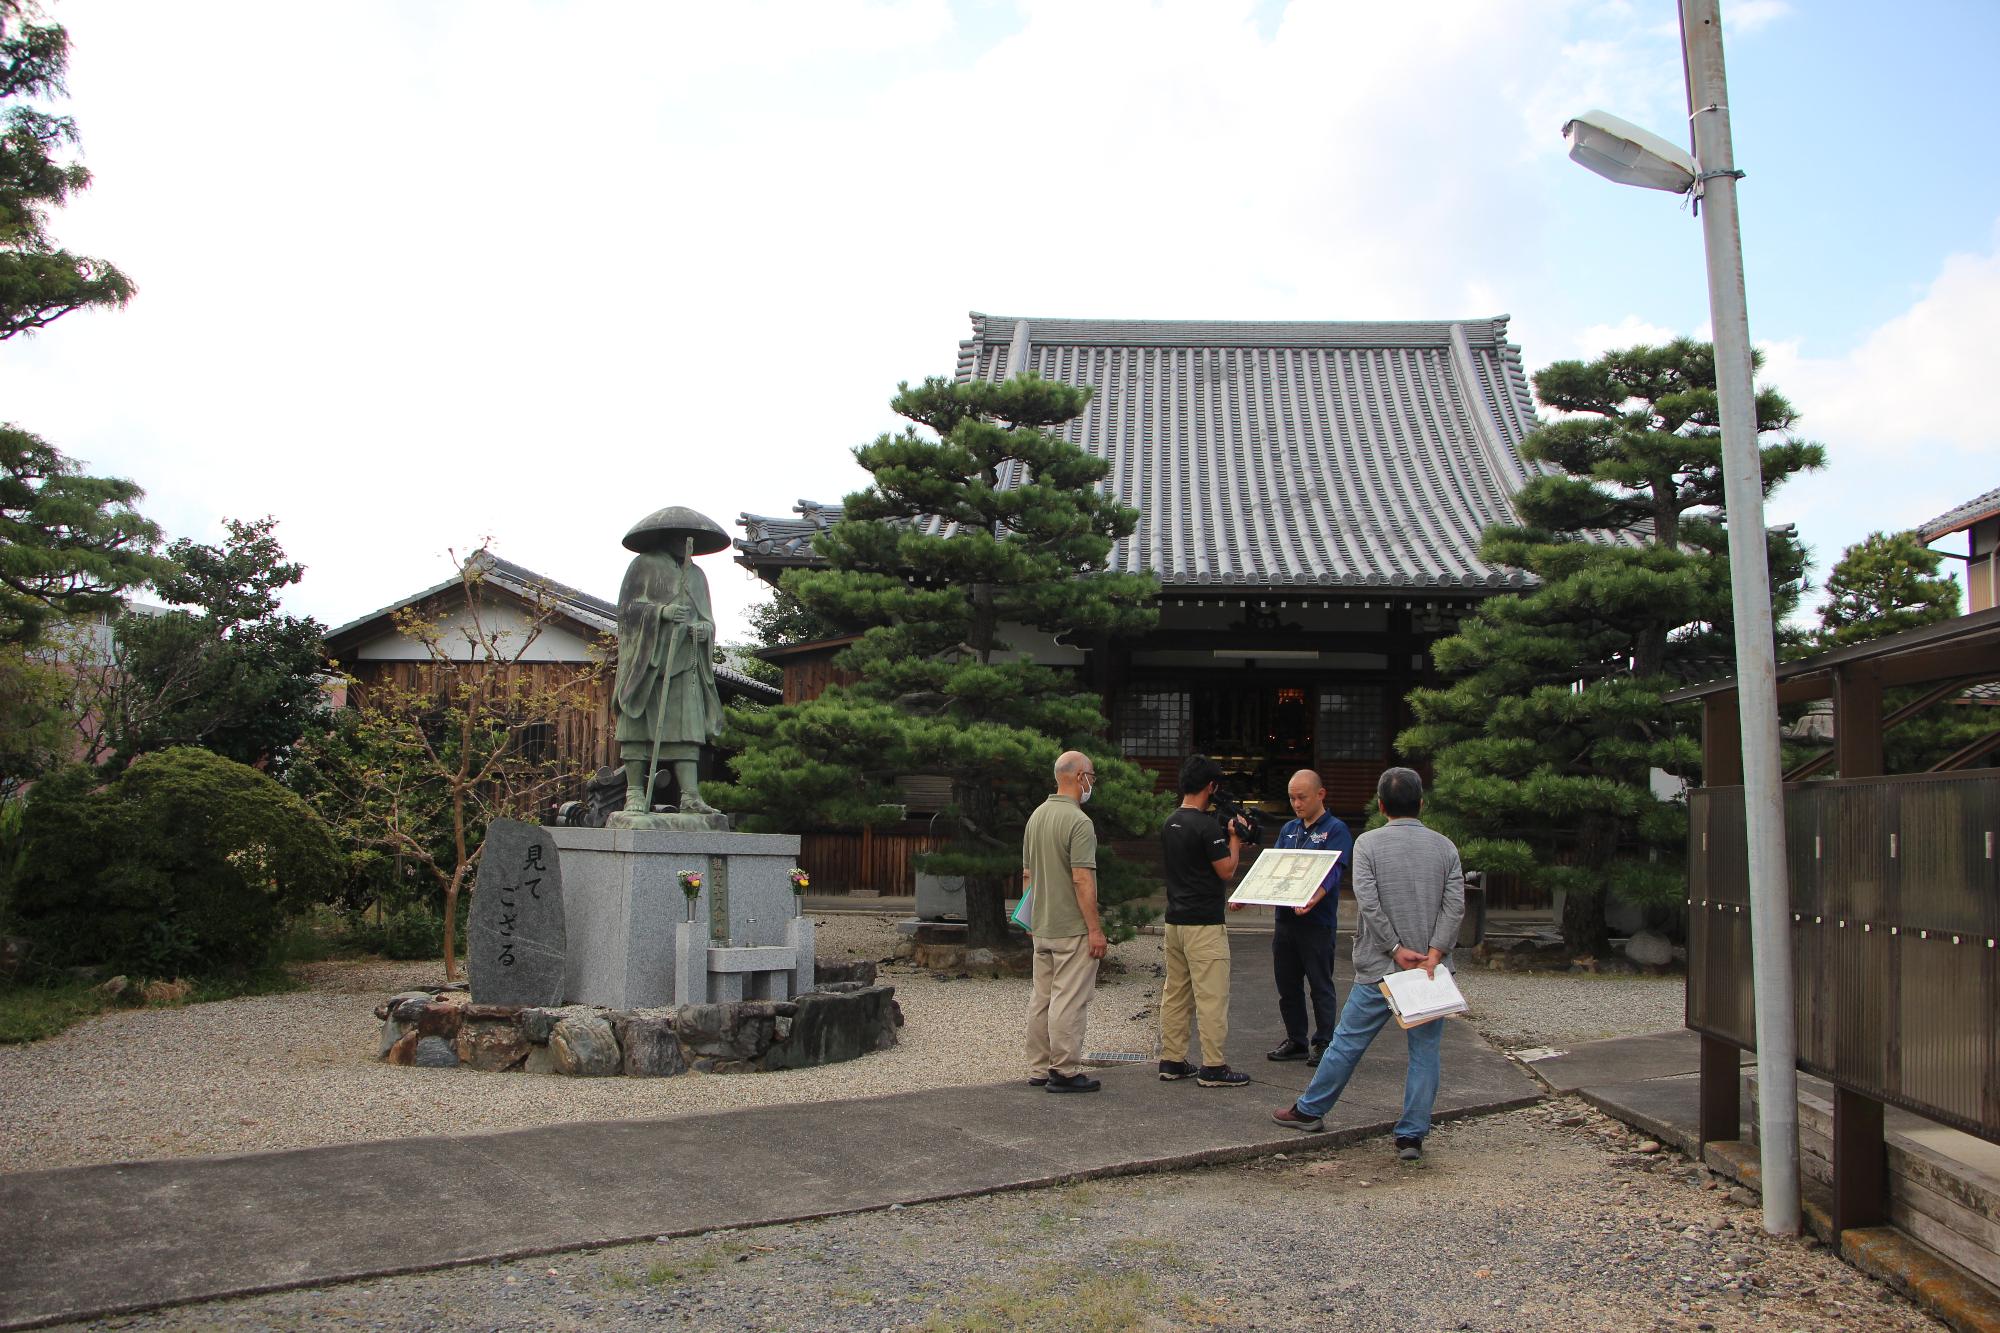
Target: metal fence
<point>1895,907</point>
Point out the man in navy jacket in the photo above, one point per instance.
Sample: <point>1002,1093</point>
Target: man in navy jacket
<point>1302,944</point>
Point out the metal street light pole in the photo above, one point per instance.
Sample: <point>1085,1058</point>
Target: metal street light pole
<point>1750,593</point>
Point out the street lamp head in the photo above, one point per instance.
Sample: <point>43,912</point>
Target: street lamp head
<point>1620,151</point>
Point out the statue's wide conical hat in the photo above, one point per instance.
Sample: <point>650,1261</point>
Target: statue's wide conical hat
<point>665,529</point>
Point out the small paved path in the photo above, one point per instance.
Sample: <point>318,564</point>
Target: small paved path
<point>100,1239</point>
<point>1547,1219</point>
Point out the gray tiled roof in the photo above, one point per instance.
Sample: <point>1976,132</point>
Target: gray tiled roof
<point>1952,520</point>
<point>1310,455</point>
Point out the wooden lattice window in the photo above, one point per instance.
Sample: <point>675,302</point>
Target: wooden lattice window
<point>1153,724</point>
<point>1350,722</point>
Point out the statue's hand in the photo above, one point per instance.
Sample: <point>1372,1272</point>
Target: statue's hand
<point>700,629</point>
<point>675,611</point>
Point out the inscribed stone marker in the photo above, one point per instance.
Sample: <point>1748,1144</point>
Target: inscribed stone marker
<point>514,938</point>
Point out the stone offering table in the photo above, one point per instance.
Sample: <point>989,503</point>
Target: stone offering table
<point>635,941</point>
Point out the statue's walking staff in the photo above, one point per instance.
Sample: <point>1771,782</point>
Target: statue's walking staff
<point>659,709</point>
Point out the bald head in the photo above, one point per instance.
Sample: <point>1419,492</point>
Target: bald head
<point>1307,794</point>
<point>1073,770</point>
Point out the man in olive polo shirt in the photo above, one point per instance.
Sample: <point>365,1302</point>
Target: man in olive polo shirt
<point>1059,867</point>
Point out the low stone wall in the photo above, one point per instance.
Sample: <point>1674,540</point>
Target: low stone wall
<point>442,1029</point>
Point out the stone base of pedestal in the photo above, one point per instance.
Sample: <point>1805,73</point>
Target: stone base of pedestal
<point>441,1029</point>
<point>636,940</point>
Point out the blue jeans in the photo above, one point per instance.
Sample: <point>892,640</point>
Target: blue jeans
<point>1360,1019</point>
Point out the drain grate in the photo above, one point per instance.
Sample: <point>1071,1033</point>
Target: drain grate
<point>1101,1059</point>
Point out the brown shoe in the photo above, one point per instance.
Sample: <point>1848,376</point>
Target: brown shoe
<point>1291,1118</point>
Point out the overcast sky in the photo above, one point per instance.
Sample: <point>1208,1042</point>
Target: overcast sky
<point>416,274</point>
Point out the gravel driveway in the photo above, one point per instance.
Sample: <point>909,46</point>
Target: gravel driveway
<point>1545,1219</point>
<point>299,1070</point>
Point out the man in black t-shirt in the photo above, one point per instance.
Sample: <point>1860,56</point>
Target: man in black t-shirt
<point>1200,861</point>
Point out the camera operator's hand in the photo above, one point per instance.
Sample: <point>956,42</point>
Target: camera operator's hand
<point>1240,829</point>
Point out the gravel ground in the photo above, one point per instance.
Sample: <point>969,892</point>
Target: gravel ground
<point>298,1070</point>
<point>1516,1010</point>
<point>1551,1218</point>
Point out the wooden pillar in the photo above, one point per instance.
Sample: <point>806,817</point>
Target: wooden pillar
<point>1721,741</point>
<point>867,875</point>
<point>1857,721</point>
<point>1860,1163</point>
<point>1721,1118</point>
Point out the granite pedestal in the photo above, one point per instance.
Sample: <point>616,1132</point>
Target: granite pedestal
<point>636,942</point>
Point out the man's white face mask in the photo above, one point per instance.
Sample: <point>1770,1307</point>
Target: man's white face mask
<point>1089,786</point>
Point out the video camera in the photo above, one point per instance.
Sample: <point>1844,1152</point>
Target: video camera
<point>1232,811</point>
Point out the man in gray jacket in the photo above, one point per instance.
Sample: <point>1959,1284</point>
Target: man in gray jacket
<point>1411,894</point>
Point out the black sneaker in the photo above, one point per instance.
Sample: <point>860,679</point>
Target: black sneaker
<point>1171,1070</point>
<point>1287,1050</point>
<point>1077,1082</point>
<point>1041,1082</point>
<point>1408,1149</point>
<point>1317,1054</point>
<point>1221,1076</point>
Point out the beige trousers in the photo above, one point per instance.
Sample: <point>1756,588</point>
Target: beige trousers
<point>1197,987</point>
<point>1065,979</point>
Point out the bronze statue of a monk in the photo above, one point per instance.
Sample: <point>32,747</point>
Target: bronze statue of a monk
<point>667,703</point>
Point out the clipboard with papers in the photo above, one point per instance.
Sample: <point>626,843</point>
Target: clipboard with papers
<point>1416,999</point>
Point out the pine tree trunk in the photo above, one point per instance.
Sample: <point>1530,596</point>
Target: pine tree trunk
<point>1584,930</point>
<point>985,912</point>
<point>985,894</point>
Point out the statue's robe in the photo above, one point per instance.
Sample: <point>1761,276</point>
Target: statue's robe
<point>657,655</point>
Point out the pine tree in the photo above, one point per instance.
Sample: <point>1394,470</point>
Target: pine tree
<point>40,282</point>
<point>1888,583</point>
<point>1543,742</point>
<point>988,525</point>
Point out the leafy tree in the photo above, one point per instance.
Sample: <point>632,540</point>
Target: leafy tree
<point>1543,740</point>
<point>39,281</point>
<point>188,863</point>
<point>34,717</point>
<point>69,543</point>
<point>777,621</point>
<point>940,563</point>
<point>782,619</point>
<point>1885,584</point>
<point>427,761</point>
<point>227,672</point>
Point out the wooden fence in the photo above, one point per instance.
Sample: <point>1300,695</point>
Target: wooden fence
<point>873,860</point>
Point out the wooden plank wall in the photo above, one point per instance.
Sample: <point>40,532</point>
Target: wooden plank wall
<point>808,680</point>
<point>584,739</point>
<point>877,860</point>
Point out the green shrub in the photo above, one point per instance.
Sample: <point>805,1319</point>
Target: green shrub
<point>417,933</point>
<point>187,864</point>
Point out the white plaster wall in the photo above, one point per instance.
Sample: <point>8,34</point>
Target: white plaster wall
<point>556,644</point>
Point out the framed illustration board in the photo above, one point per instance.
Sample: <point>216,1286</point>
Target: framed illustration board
<point>1286,878</point>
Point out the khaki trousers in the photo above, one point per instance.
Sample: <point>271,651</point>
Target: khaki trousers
<point>1198,987</point>
<point>1065,979</point>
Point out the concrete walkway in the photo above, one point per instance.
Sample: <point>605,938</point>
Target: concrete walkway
<point>99,1240</point>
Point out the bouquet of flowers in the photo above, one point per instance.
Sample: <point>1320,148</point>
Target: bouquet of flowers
<point>801,881</point>
<point>691,884</point>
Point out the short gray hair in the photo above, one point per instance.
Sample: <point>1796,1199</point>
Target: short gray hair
<point>1401,792</point>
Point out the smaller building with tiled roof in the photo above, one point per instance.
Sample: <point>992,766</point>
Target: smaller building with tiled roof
<point>572,629</point>
<point>1979,519</point>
